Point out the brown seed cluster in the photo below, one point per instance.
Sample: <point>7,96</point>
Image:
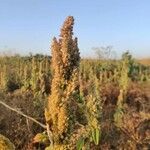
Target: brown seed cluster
<point>61,107</point>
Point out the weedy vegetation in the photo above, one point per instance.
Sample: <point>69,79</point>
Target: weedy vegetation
<point>64,102</point>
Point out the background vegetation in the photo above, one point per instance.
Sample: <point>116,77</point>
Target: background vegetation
<point>94,104</point>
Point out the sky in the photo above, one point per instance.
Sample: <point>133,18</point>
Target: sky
<point>29,25</point>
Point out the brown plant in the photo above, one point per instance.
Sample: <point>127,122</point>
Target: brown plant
<point>61,107</point>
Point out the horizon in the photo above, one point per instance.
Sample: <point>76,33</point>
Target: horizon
<point>29,26</point>
<point>94,57</point>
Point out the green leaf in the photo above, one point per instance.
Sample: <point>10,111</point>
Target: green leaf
<point>80,143</point>
<point>96,136</point>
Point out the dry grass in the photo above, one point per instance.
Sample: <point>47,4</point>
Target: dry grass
<point>144,61</point>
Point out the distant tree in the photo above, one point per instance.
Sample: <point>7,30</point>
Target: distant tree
<point>104,52</point>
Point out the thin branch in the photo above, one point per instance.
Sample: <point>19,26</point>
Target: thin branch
<point>22,114</point>
<point>30,118</point>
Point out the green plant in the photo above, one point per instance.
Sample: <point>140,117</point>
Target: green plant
<point>123,85</point>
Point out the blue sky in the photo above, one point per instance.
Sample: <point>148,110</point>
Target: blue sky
<point>29,25</point>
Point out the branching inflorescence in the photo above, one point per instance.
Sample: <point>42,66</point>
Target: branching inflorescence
<point>61,107</point>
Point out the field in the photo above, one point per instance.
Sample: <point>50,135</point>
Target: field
<point>63,102</point>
